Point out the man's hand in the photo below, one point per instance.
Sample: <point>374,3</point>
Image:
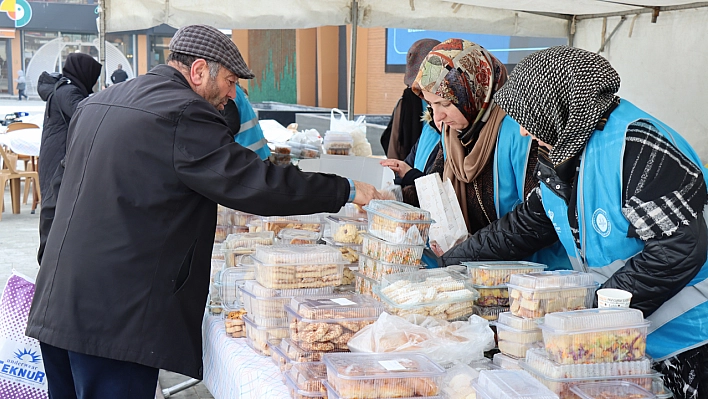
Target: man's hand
<point>400,168</point>
<point>365,192</point>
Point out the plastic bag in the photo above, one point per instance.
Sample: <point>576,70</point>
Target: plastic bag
<point>457,383</point>
<point>442,341</point>
<point>309,136</point>
<point>357,129</point>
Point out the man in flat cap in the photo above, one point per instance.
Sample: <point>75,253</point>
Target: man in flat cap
<point>125,273</point>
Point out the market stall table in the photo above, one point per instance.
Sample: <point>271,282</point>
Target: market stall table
<point>232,370</point>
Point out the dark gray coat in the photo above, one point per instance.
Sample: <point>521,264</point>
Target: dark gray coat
<point>125,272</point>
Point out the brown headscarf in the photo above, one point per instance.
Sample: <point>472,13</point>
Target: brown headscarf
<point>468,76</point>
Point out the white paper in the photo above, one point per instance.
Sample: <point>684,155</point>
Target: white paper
<point>392,365</point>
<point>343,301</point>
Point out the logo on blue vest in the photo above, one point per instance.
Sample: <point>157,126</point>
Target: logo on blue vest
<point>601,223</point>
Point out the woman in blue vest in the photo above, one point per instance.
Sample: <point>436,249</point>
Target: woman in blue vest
<point>624,193</point>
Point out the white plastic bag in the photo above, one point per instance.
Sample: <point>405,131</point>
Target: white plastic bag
<point>309,136</point>
<point>357,129</point>
<point>442,341</point>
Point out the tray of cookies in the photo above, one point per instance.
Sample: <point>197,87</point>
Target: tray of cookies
<point>305,380</point>
<point>300,222</point>
<point>285,354</point>
<point>350,252</point>
<point>266,303</point>
<point>511,384</point>
<point>595,335</point>
<point>327,323</point>
<point>516,349</point>
<point>490,313</point>
<point>382,375</point>
<point>402,254</point>
<point>611,390</point>
<point>398,223</point>
<point>496,273</point>
<point>299,266</point>
<point>347,229</point>
<point>492,296</point>
<point>248,241</point>
<point>374,268</point>
<point>538,360</point>
<point>533,295</point>
<point>365,285</point>
<point>432,292</point>
<point>234,324</point>
<point>298,237</point>
<point>258,336</point>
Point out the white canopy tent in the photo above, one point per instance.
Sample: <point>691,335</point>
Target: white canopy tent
<point>658,46</point>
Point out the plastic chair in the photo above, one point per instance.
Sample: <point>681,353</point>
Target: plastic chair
<point>12,175</point>
<point>30,161</point>
<point>21,125</point>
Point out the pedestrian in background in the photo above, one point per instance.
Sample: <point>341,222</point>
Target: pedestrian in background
<point>21,85</point>
<point>119,75</point>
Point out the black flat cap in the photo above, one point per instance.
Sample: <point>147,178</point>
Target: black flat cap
<point>207,42</point>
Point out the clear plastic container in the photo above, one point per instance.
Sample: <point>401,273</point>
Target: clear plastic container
<point>221,232</point>
<point>327,323</point>
<point>433,292</point>
<point>232,279</point>
<point>299,266</point>
<point>239,218</point>
<point>248,241</point>
<point>365,285</point>
<point>305,380</point>
<point>265,303</point>
<point>338,143</point>
<point>516,349</point>
<point>301,222</point>
<point>374,268</point>
<point>398,223</point>
<point>490,313</point>
<point>347,230</point>
<point>382,375</point>
<point>506,362</point>
<point>332,394</point>
<point>518,323</point>
<point>492,296</point>
<point>258,336</point>
<point>281,159</point>
<point>298,237</point>
<point>506,333</point>
<point>533,295</point>
<point>492,274</point>
<point>611,390</point>
<point>298,255</point>
<point>401,254</point>
<point>538,360</point>
<point>285,354</point>
<point>282,148</point>
<point>303,151</point>
<point>234,324</point>
<point>595,335</point>
<point>511,384</point>
<point>350,252</point>
<point>217,253</point>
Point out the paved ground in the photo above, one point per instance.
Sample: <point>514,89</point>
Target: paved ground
<point>19,240</point>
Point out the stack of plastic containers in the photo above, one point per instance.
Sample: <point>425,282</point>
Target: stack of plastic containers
<point>275,224</point>
<point>516,335</point>
<point>534,295</point>
<point>490,280</point>
<point>592,345</point>
<point>439,293</point>
<point>231,281</point>
<point>214,306</point>
<point>510,384</point>
<point>338,143</point>
<point>305,381</point>
<point>381,375</point>
<point>229,221</point>
<point>345,234</point>
<point>236,246</point>
<point>611,390</point>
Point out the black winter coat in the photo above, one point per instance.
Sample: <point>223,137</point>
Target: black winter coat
<point>125,273</point>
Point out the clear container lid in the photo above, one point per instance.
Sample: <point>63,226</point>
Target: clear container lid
<point>537,360</point>
<point>368,366</point>
<point>340,307</point>
<point>589,320</point>
<point>516,322</point>
<point>552,280</point>
<point>504,265</point>
<point>333,394</point>
<point>332,136</point>
<point>288,235</point>
<point>255,290</point>
<point>611,390</point>
<point>512,384</point>
<point>506,362</point>
<point>490,312</point>
<point>398,211</point>
<point>329,241</point>
<point>307,378</point>
<point>286,348</point>
<point>360,222</point>
<point>298,255</point>
<point>295,220</point>
<point>425,287</point>
<point>274,330</point>
<point>248,240</point>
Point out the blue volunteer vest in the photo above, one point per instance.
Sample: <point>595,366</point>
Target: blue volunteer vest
<point>429,139</point>
<point>681,323</point>
<point>510,162</point>
<point>250,135</point>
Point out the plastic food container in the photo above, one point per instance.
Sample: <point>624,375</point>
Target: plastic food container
<point>214,308</point>
<point>611,390</point>
<point>299,266</point>
<point>374,268</point>
<point>216,253</point>
<point>298,237</point>
<point>401,254</point>
<point>285,354</point>
<point>517,323</point>
<point>338,143</point>
<point>258,336</point>
<point>232,279</point>
<point>511,384</point>
<point>398,223</point>
<point>234,324</point>
<point>535,294</point>
<point>265,304</point>
<point>492,296</point>
<point>248,241</point>
<point>221,232</point>
<point>327,323</point>
<point>492,274</point>
<point>332,394</point>
<point>302,222</point>
<point>347,229</point>
<point>281,159</point>
<point>305,380</point>
<point>365,285</point>
<point>281,148</point>
<point>515,342</point>
<point>382,375</point>
<point>435,292</point>
<point>303,151</point>
<point>350,252</point>
<point>538,360</point>
<point>490,313</point>
<point>506,362</point>
<point>595,335</point>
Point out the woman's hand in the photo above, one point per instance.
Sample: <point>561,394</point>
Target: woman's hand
<point>400,168</point>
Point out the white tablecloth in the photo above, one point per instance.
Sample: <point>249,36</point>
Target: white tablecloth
<point>24,141</point>
<point>232,370</point>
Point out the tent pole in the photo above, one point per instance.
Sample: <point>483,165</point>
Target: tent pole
<point>352,59</point>
<point>102,41</point>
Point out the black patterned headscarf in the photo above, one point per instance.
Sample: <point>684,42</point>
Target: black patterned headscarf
<point>559,95</point>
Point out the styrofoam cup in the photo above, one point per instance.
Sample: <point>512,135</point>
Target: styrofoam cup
<point>613,298</point>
